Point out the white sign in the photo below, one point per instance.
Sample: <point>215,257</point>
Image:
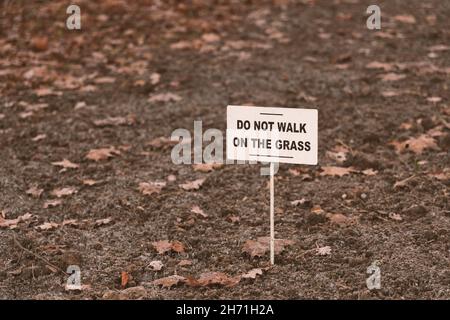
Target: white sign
<point>263,134</point>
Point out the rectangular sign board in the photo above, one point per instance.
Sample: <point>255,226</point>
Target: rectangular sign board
<point>265,134</point>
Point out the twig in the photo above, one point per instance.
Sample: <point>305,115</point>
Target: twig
<point>17,243</point>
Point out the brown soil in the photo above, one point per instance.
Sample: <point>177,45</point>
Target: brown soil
<point>290,54</point>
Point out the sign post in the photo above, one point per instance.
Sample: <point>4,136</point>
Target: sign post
<point>273,135</point>
<point>272,216</point>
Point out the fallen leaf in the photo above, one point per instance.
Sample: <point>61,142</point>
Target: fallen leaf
<point>115,121</point>
<point>62,192</point>
<point>181,45</point>
<point>392,77</point>
<point>164,246</point>
<point>405,18</point>
<point>370,172</point>
<point>47,226</point>
<point>52,203</point>
<point>298,202</point>
<point>192,185</point>
<point>34,191</point>
<point>124,279</point>
<point>336,171</point>
<point>323,251</point>
<point>164,97</point>
<point>403,183</point>
<point>156,265</point>
<point>39,43</point>
<point>416,145</point>
<point>154,78</point>
<point>39,137</point>
<point>104,80</point>
<point>252,273</point>
<point>185,263</point>
<point>257,248</point>
<point>317,209</point>
<point>66,164</point>
<point>102,153</point>
<point>199,211</point>
<point>395,216</point>
<point>149,188</point>
<point>207,167</point>
<point>434,99</point>
<point>380,65</point>
<point>210,37</point>
<point>169,281</point>
<point>338,218</point>
<point>440,175</point>
<point>12,223</point>
<point>162,142</point>
<point>90,182</point>
<point>439,47</point>
<point>177,246</point>
<point>102,222</point>
<point>233,219</point>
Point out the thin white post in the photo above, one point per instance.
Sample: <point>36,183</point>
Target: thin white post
<point>272,223</point>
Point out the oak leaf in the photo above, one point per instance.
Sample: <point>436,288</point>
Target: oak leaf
<point>102,153</point>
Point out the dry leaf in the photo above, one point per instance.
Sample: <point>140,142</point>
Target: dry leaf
<point>252,273</point>
<point>156,265</point>
<point>192,185</point>
<point>61,192</point>
<point>149,188</point>
<point>323,251</point>
<point>124,279</point>
<point>199,211</point>
<point>154,78</point>
<point>207,167</point>
<point>115,121</point>
<point>164,97</point>
<point>379,65</point>
<point>233,219</point>
<point>416,145</point>
<point>162,142</point>
<point>184,263</point>
<point>405,18</point>
<point>103,80</point>
<point>52,203</point>
<point>39,43</point>
<point>39,137</point>
<point>392,77</point>
<point>336,171</point>
<point>66,164</point>
<point>403,183</point>
<point>317,209</point>
<point>90,182</point>
<point>102,153</point>
<point>170,281</point>
<point>395,216</point>
<point>12,223</point>
<point>297,202</point>
<point>257,248</point>
<point>434,99</point>
<point>34,191</point>
<point>370,172</point>
<point>102,222</point>
<point>164,246</point>
<point>177,246</point>
<point>338,218</point>
<point>210,37</point>
<point>47,226</point>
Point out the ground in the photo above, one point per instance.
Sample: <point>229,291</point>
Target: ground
<point>138,70</point>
